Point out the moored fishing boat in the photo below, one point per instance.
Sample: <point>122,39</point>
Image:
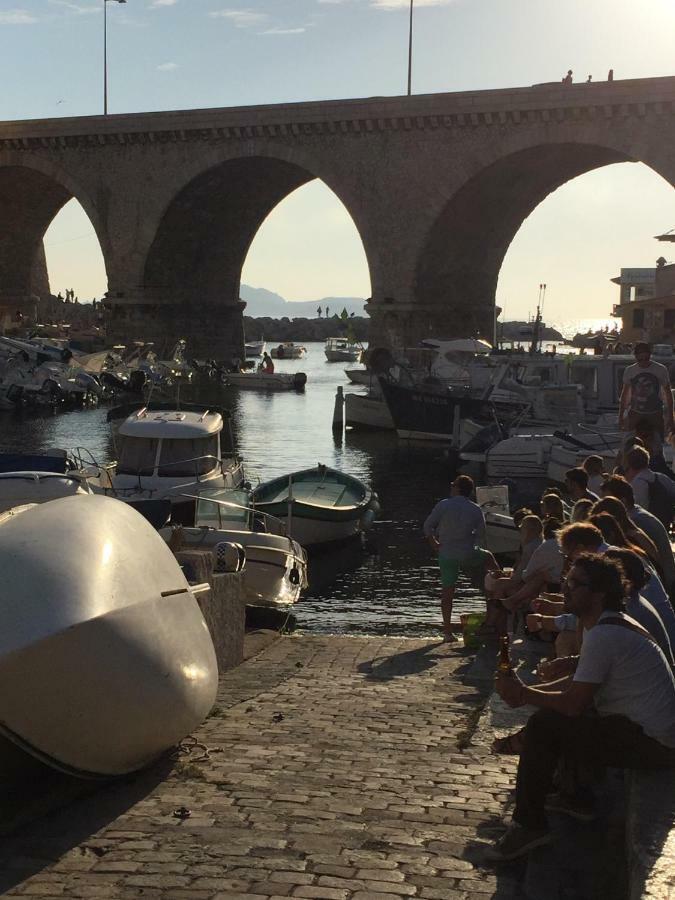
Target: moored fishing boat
<point>275,570</point>
<point>319,506</point>
<point>105,658</point>
<point>255,348</point>
<point>288,350</point>
<point>342,349</point>
<point>164,452</point>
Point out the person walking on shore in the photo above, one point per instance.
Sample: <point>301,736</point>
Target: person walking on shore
<point>456,529</point>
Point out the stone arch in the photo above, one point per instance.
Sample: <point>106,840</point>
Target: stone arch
<point>204,234</point>
<point>32,192</point>
<point>460,262</point>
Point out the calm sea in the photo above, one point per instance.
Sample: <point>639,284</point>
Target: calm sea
<point>388,587</point>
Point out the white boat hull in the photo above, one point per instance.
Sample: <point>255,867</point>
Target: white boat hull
<point>365,412</point>
<point>343,355</point>
<point>271,559</point>
<point>503,538</point>
<point>314,532</point>
<point>105,658</point>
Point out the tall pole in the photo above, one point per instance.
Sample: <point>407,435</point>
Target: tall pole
<point>410,46</point>
<point>105,57</point>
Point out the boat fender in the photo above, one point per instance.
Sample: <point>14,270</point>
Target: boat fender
<point>229,557</point>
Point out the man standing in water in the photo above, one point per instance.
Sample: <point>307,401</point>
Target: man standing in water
<point>456,529</point>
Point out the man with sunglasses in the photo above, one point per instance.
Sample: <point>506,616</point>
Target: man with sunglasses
<point>623,674</point>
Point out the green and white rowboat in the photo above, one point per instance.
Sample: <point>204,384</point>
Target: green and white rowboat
<point>319,506</point>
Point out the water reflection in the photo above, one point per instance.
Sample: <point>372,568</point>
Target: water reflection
<point>392,586</point>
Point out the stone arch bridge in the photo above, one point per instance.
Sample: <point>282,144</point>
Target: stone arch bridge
<point>437,187</point>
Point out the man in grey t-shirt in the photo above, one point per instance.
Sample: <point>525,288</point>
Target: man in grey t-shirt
<point>646,402</point>
<point>622,673</point>
<point>455,527</point>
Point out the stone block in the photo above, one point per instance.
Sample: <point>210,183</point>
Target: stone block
<point>223,606</point>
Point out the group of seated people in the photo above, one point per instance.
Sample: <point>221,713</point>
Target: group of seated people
<point>605,695</point>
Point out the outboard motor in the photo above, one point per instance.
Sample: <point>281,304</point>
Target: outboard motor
<point>137,381</point>
<point>299,381</point>
<point>229,557</point>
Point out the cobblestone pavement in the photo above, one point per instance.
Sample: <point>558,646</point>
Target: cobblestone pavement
<point>334,773</point>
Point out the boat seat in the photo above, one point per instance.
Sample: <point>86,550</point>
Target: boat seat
<point>329,494</point>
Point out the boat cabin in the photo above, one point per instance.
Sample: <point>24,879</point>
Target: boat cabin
<point>170,444</point>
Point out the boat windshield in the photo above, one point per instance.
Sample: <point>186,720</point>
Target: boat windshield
<point>182,457</point>
<point>137,456</point>
<point>219,515</point>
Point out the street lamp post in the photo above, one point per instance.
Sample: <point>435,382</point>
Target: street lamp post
<point>410,45</point>
<point>105,53</point>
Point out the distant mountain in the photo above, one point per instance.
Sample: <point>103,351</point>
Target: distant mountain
<point>261,302</point>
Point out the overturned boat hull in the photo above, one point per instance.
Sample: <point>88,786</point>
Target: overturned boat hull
<point>105,658</point>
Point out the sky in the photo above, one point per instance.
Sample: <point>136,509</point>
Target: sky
<point>173,54</point>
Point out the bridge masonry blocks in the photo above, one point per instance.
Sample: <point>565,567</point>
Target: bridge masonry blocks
<point>437,187</point>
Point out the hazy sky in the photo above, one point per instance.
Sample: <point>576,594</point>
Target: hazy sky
<point>167,54</point>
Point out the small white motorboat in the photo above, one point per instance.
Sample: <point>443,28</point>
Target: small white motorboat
<point>318,506</point>
<point>341,349</point>
<point>265,381</point>
<point>255,348</point>
<point>163,452</point>
<point>288,350</point>
<point>368,412</point>
<point>275,571</point>
<point>31,487</point>
<point>105,659</point>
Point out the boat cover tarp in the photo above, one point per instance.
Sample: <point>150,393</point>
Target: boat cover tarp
<point>18,462</point>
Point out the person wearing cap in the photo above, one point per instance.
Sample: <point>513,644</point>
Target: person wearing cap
<point>646,401</point>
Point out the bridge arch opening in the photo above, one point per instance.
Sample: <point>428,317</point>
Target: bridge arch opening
<point>579,238</point>
<point>204,238</point>
<point>32,201</point>
<point>459,266</point>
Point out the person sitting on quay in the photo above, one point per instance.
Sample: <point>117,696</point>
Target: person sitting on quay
<point>654,491</point>
<point>635,535</point>
<point>594,467</point>
<point>455,528</point>
<point>552,507</point>
<point>542,573</point>
<point>581,510</point>
<point>622,673</point>
<point>637,605</point>
<point>618,487</point>
<point>549,614</point>
<point>576,482</point>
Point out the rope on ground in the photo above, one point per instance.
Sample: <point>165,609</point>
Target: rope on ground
<point>189,747</point>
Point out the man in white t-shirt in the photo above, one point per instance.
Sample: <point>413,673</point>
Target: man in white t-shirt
<point>622,673</point>
<point>646,402</point>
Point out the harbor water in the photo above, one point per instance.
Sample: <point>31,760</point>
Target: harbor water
<point>389,586</point>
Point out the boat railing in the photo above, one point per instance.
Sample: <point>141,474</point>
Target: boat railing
<point>250,509</point>
<point>83,458</point>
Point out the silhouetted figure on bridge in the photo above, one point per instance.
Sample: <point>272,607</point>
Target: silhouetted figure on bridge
<point>610,75</point>
<point>568,78</point>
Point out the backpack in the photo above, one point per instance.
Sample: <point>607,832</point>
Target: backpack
<point>662,499</point>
